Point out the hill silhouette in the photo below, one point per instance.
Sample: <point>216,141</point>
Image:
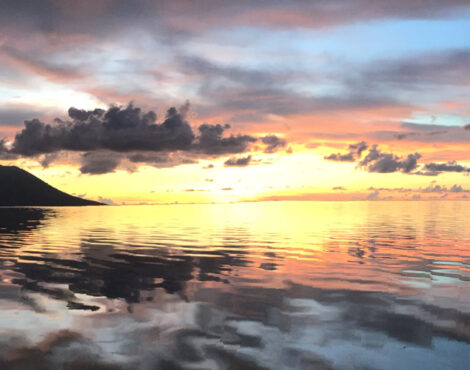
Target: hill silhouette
<point>20,188</point>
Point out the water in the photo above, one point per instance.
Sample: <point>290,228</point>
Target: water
<point>307,285</point>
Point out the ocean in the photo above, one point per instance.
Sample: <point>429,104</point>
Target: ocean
<point>276,285</point>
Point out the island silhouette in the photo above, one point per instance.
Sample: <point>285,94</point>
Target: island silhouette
<point>20,188</point>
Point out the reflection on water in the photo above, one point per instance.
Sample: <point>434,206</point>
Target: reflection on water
<point>265,285</point>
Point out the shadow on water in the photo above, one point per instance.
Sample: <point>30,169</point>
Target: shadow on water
<point>17,220</point>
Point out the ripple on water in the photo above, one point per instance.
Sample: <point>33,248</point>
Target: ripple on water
<point>273,285</point>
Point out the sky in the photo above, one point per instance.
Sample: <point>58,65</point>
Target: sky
<point>200,101</point>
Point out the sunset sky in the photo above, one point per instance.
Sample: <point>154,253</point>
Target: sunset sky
<point>152,101</point>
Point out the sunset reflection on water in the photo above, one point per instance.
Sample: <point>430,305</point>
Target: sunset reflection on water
<point>252,285</point>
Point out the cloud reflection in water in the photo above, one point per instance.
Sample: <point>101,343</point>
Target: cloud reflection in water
<point>144,288</point>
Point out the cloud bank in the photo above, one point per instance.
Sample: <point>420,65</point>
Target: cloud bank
<point>108,136</point>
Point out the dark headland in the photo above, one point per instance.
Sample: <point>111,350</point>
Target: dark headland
<point>20,188</point>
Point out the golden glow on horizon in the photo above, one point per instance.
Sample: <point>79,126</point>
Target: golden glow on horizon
<point>302,175</point>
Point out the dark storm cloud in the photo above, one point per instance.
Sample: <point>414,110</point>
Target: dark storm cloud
<point>83,115</point>
<point>238,162</point>
<point>117,129</point>
<point>354,153</point>
<point>128,129</point>
<point>120,135</point>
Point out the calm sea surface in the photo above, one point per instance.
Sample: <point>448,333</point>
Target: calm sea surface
<point>286,285</point>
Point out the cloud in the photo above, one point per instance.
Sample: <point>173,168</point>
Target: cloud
<point>191,190</point>
<point>40,64</point>
<point>431,188</point>
<point>373,196</point>
<point>111,137</point>
<point>376,161</point>
<point>117,129</point>
<point>97,163</point>
<point>426,173</point>
<point>435,188</point>
<point>161,159</point>
<point>451,166</point>
<point>467,127</point>
<point>186,17</point>
<point>5,153</point>
<point>349,157</point>
<point>273,143</point>
<point>358,148</point>
<point>210,140</point>
<point>238,162</point>
<point>424,132</point>
<point>106,201</point>
<point>257,94</point>
<point>124,130</point>
<point>355,152</point>
<point>442,68</point>
<point>47,159</point>
<point>13,115</point>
